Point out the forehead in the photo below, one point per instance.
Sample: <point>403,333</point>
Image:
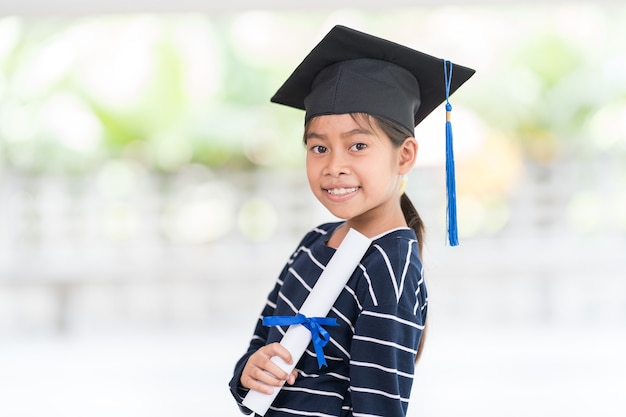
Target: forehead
<point>343,124</point>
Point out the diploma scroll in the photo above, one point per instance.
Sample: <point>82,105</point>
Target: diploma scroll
<point>317,304</point>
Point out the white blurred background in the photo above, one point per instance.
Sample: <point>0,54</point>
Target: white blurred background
<point>150,194</point>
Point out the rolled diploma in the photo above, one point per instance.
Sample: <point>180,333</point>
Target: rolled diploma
<point>319,302</point>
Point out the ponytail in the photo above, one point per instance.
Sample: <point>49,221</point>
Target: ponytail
<point>413,220</point>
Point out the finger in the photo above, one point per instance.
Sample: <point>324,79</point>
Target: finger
<point>255,377</point>
<point>261,368</point>
<point>262,374</point>
<point>275,367</point>
<point>292,377</point>
<point>267,375</point>
<point>276,371</point>
<point>255,385</point>
<point>276,349</point>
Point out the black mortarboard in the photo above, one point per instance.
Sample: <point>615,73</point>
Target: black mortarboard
<point>354,72</point>
<point>351,71</point>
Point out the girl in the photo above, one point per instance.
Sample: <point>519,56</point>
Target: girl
<point>363,96</point>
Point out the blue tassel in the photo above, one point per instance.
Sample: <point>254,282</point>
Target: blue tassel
<point>453,233</point>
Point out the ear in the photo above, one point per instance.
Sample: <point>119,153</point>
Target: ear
<point>407,155</point>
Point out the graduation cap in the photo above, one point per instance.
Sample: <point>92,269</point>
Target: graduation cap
<point>353,72</point>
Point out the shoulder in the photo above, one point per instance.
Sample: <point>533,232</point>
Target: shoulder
<point>397,248</point>
<point>314,242</point>
<point>323,231</point>
<point>392,268</point>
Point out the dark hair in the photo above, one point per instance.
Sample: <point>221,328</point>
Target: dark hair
<point>398,134</point>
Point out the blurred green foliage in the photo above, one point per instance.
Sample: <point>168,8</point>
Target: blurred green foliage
<point>170,90</point>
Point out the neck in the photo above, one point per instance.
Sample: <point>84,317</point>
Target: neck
<point>368,227</point>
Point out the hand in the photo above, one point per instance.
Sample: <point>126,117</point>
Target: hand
<point>261,374</point>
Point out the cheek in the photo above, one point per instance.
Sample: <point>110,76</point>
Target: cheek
<point>311,171</point>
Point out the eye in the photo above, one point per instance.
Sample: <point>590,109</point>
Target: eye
<point>319,149</point>
<point>358,146</point>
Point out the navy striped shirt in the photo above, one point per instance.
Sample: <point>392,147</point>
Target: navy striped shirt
<point>371,355</point>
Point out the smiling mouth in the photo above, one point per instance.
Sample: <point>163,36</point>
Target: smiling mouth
<point>341,191</point>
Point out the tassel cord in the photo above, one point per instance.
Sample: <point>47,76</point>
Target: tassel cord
<point>453,237</point>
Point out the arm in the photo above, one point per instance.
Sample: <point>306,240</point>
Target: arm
<point>254,370</point>
<point>258,340</point>
<point>249,372</point>
<point>382,361</point>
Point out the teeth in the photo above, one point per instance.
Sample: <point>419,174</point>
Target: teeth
<point>341,191</point>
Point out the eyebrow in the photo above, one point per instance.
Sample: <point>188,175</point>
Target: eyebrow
<point>348,134</point>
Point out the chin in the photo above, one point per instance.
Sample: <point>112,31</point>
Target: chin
<point>341,214</point>
<point>340,210</point>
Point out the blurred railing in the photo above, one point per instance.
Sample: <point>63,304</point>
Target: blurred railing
<point>129,248</point>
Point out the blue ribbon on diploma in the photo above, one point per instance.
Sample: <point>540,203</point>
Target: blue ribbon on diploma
<point>319,335</point>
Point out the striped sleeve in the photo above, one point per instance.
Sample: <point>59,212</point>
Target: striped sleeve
<point>387,331</point>
<point>261,332</point>
<point>382,361</point>
<point>258,340</point>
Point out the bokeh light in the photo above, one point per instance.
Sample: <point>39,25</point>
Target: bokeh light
<point>257,219</point>
<point>199,214</point>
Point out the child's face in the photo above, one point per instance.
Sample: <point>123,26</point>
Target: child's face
<point>353,168</point>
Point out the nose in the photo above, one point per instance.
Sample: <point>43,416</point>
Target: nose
<point>337,164</point>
